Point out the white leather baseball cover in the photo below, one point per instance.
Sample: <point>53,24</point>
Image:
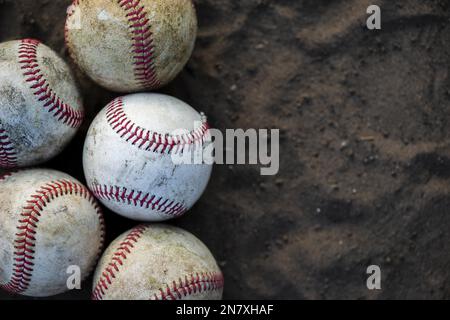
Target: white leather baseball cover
<point>128,160</point>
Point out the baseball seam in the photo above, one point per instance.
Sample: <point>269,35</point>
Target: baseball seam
<point>117,260</point>
<point>195,283</point>
<point>150,140</point>
<point>70,13</point>
<point>138,199</point>
<point>25,241</point>
<point>41,88</point>
<point>8,156</point>
<point>5,175</point>
<point>142,47</point>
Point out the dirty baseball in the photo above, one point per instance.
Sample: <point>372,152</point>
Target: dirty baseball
<point>157,262</point>
<point>127,157</point>
<point>49,222</point>
<point>40,106</point>
<point>131,45</point>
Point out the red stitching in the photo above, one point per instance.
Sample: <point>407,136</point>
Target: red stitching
<point>151,140</point>
<point>195,283</point>
<point>25,241</point>
<point>8,156</point>
<point>142,36</point>
<point>138,199</point>
<point>143,47</point>
<point>5,175</point>
<point>117,260</point>
<point>74,3</point>
<point>41,88</point>
<point>70,13</point>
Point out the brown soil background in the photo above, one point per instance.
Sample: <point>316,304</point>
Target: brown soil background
<point>365,142</point>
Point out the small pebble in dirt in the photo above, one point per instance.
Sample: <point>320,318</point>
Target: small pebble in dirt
<point>344,144</point>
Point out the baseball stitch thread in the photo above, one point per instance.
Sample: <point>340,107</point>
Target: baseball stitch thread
<point>8,156</point>
<point>113,267</point>
<point>25,241</point>
<point>142,48</point>
<point>193,284</point>
<point>70,14</point>
<point>41,88</point>
<point>150,140</point>
<point>5,175</point>
<point>138,199</point>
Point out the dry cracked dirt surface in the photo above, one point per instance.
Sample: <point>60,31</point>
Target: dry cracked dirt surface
<point>365,142</point>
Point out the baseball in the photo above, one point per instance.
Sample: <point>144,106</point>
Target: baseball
<point>40,106</point>
<point>157,262</point>
<point>128,161</point>
<point>131,45</point>
<point>49,222</point>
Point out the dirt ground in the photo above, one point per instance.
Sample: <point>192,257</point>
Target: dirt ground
<point>365,142</point>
